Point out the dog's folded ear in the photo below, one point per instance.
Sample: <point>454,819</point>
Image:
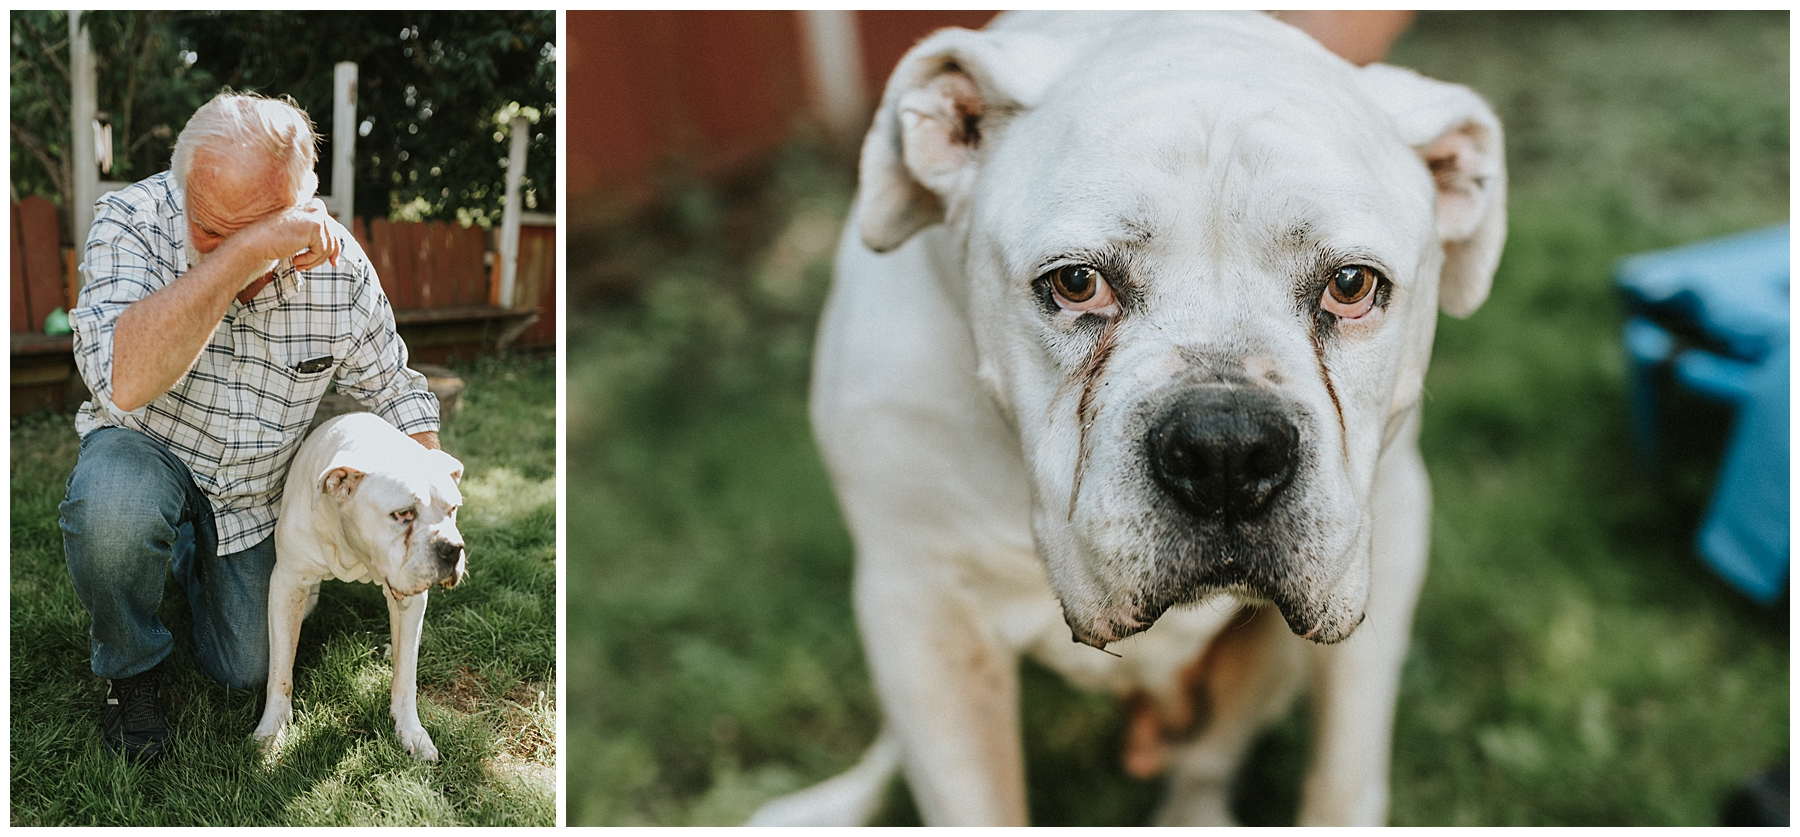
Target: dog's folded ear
<point>952,91</point>
<point>341,480</point>
<point>1458,137</point>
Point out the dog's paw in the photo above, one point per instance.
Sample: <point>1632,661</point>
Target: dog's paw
<point>270,730</point>
<point>268,738</point>
<point>418,743</point>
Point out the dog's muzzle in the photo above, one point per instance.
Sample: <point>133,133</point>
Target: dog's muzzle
<point>1223,453</point>
<point>1223,460</point>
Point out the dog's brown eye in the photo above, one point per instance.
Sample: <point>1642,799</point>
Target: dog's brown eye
<point>1350,293</point>
<point>1075,283</point>
<point>1352,283</point>
<point>403,516</point>
<point>1081,289</point>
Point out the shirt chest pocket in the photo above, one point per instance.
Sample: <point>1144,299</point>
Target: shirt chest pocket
<point>297,382</point>
<point>282,378</point>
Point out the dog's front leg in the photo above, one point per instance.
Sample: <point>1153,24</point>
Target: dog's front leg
<point>406,620</point>
<point>949,690</point>
<point>288,594</point>
<point>1357,681</point>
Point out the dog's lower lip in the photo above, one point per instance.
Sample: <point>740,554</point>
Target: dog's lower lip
<point>1106,631</point>
<point>1084,639</point>
<point>398,593</point>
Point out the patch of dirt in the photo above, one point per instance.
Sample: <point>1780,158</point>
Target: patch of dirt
<point>462,693</point>
<point>533,741</point>
<point>528,744</point>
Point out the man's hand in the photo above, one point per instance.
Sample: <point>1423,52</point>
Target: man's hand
<point>1360,37</point>
<point>302,233</point>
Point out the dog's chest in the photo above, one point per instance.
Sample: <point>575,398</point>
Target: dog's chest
<point>1023,613</point>
<point>1150,662</point>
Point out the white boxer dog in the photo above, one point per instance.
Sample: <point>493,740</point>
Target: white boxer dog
<point>1126,344</point>
<point>362,502</point>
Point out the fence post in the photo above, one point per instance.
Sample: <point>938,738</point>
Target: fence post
<point>835,48</point>
<point>509,214</point>
<point>343,143</point>
<point>82,94</point>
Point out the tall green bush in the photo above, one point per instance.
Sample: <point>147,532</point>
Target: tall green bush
<point>435,89</point>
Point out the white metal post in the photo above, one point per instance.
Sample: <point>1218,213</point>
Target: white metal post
<point>82,95</point>
<point>343,143</point>
<point>509,214</point>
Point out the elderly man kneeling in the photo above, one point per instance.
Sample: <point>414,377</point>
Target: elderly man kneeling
<point>219,301</point>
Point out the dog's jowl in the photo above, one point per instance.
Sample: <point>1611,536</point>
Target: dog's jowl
<point>1128,332</point>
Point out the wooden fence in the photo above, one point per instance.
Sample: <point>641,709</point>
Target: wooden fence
<point>441,279</point>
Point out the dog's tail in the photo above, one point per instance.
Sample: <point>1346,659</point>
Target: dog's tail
<point>849,798</point>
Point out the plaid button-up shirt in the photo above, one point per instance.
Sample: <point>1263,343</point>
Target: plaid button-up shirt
<point>237,417</point>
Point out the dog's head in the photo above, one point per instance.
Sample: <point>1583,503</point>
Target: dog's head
<point>398,509</point>
<point>1206,269</point>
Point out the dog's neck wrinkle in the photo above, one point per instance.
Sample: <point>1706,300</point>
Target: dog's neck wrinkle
<point>348,548</point>
<point>1405,420</point>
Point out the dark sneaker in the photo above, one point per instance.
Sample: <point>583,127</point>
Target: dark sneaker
<point>133,723</point>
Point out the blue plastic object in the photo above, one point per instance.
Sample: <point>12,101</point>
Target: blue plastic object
<point>1716,314</point>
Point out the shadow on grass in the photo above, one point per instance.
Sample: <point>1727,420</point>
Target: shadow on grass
<point>486,673</point>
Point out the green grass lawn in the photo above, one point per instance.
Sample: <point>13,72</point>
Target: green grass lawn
<point>1573,663</point>
<point>486,669</point>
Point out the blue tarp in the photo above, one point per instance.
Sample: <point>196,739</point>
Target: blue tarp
<point>1716,313</point>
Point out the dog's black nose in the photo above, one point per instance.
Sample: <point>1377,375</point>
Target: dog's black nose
<point>447,552</point>
<point>1223,453</point>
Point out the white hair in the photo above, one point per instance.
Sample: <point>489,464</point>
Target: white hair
<point>235,124</point>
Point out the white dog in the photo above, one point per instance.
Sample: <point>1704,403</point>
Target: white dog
<point>363,502</point>
<point>1128,332</point>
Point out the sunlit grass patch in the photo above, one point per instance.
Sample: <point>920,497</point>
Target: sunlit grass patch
<point>502,496</point>
<point>366,789</point>
<point>340,763</point>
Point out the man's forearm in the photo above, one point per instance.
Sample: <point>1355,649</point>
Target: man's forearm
<point>158,337</point>
<point>428,438</point>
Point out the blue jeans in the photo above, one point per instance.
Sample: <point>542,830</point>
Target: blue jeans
<point>133,510</point>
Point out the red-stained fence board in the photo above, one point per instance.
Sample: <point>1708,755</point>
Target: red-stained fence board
<point>21,305</point>
<point>418,243</point>
<point>359,229</point>
<point>428,266</point>
<point>535,283</point>
<point>40,238</point>
<point>392,264</point>
<point>464,257</point>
